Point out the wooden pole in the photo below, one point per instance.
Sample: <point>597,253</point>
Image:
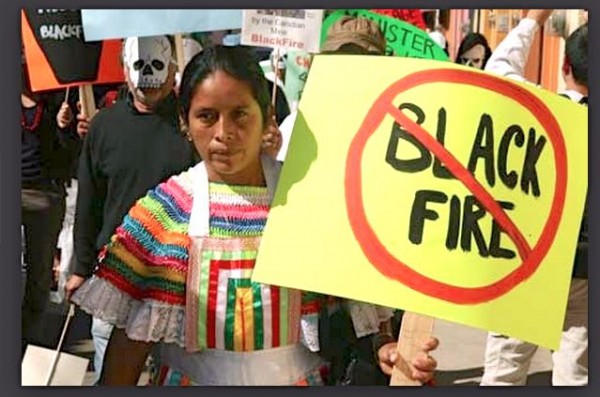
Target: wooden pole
<point>275,70</point>
<point>59,347</point>
<point>179,53</point>
<point>415,330</point>
<point>86,97</point>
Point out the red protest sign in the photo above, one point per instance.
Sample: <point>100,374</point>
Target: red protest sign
<point>57,55</point>
<point>393,267</point>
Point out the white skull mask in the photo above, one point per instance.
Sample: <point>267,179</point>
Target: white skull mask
<point>147,60</point>
<point>474,57</point>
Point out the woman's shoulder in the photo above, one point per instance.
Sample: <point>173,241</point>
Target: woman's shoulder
<point>183,182</point>
<point>171,200</point>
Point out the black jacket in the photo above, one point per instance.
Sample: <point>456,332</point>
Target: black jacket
<point>57,147</point>
<point>125,153</point>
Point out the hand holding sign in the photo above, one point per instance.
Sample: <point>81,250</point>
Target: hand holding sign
<point>272,139</point>
<point>540,16</point>
<point>408,361</point>
<point>87,110</point>
<point>64,115</point>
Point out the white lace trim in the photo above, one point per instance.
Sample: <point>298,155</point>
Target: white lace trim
<point>147,320</point>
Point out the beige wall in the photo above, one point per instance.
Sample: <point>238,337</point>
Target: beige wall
<point>547,53</point>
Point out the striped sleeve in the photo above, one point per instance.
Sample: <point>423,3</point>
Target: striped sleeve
<point>139,283</point>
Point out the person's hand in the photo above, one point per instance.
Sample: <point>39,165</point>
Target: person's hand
<point>422,366</point>
<point>73,284</point>
<point>64,116</point>
<point>83,125</point>
<point>83,121</point>
<point>540,16</point>
<point>272,139</point>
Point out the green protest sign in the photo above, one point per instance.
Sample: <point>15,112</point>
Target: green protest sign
<point>403,39</point>
<point>296,73</point>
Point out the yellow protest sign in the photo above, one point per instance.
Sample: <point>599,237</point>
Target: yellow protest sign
<point>433,188</point>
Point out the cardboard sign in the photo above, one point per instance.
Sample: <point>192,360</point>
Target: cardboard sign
<point>47,367</point>
<point>112,24</point>
<point>403,195</point>
<point>70,369</point>
<point>297,30</point>
<point>403,39</point>
<point>57,55</point>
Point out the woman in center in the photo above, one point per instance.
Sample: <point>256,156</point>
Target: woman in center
<point>175,278</point>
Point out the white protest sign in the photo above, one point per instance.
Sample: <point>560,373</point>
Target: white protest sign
<point>48,367</point>
<point>70,370</point>
<point>286,29</point>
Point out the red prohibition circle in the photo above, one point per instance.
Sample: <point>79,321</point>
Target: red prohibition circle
<point>395,269</point>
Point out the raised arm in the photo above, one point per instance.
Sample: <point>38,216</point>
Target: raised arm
<point>510,57</point>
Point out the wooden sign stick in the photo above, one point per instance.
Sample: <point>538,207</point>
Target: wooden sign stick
<point>415,330</point>
<point>179,53</point>
<point>86,97</point>
<point>60,343</point>
<point>274,93</point>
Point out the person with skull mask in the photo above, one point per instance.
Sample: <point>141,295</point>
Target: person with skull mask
<point>129,148</point>
<point>474,51</point>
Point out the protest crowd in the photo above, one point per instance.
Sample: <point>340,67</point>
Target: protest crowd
<point>147,189</point>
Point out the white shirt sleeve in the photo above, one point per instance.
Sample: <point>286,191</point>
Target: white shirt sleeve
<point>510,57</point>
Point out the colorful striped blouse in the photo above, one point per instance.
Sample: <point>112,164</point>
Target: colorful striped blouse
<point>233,312</point>
<point>148,261</point>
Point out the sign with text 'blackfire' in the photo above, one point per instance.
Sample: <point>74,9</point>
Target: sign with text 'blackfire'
<point>290,29</point>
<point>57,55</point>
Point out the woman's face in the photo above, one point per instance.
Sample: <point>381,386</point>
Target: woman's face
<point>226,126</point>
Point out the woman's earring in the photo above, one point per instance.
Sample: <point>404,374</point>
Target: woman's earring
<point>185,131</point>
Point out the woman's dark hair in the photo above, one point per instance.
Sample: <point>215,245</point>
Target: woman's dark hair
<point>429,19</point>
<point>238,62</point>
<point>470,41</point>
